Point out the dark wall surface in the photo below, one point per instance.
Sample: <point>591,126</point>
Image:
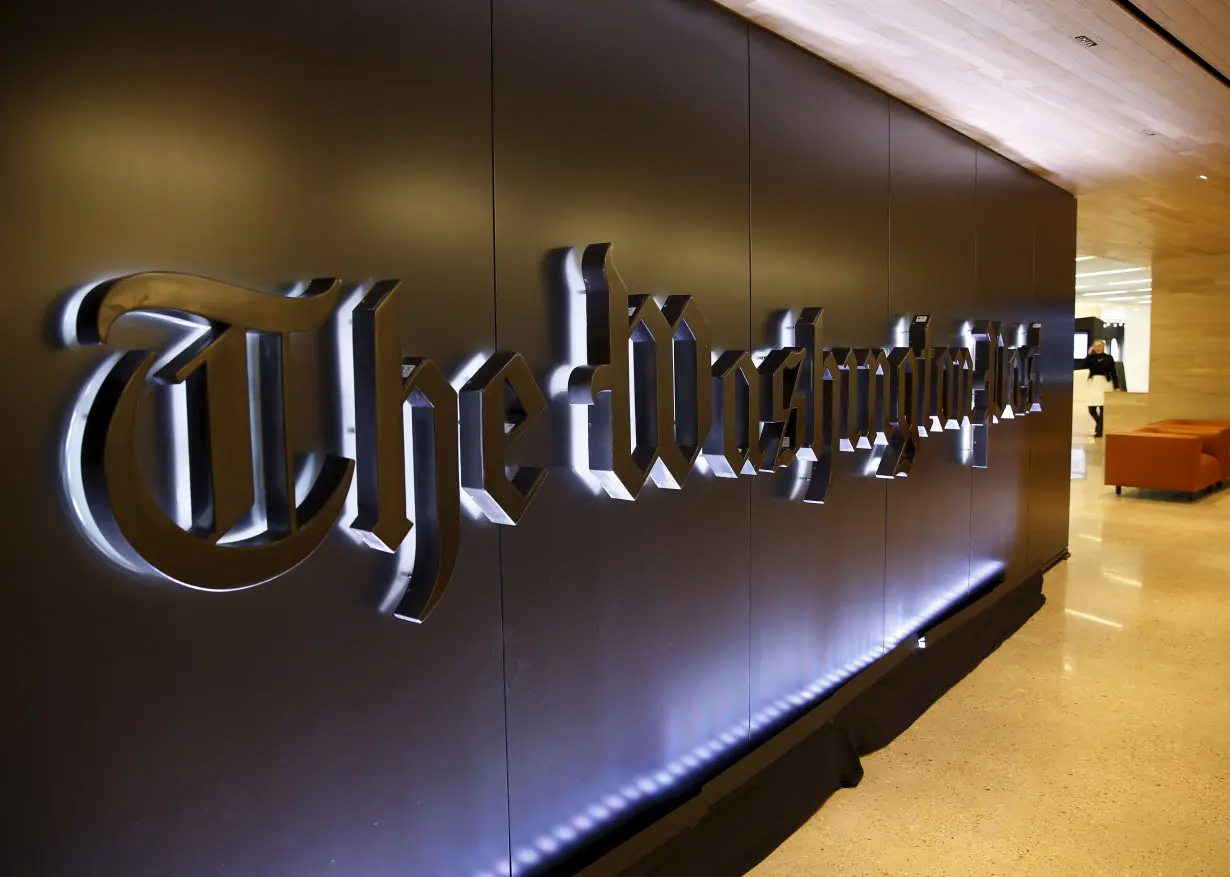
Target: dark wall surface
<point>1004,291</point>
<point>820,236</point>
<point>288,729</point>
<point>628,620</point>
<point>1049,486</point>
<point>932,266</point>
<point>600,653</point>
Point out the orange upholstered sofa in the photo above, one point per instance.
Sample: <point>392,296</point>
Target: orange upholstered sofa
<point>1183,458</point>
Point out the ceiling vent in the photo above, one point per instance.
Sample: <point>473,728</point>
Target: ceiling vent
<point>1087,42</point>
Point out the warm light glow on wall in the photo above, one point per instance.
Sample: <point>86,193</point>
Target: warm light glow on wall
<point>1113,271</point>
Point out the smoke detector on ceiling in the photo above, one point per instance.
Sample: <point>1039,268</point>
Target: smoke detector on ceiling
<point>1087,42</point>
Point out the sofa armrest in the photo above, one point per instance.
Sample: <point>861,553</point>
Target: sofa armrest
<point>1215,439</point>
<point>1154,460</point>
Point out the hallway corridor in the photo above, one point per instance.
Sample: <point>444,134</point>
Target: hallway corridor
<point>1095,741</point>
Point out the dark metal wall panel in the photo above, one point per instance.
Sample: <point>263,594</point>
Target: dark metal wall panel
<point>1000,506</point>
<point>611,649</point>
<point>932,272</point>
<point>819,238</point>
<point>1051,443</point>
<point>626,621</point>
<point>289,729</point>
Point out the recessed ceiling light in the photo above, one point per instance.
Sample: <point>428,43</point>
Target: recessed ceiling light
<point>1203,177</point>
<point>1115,271</point>
<point>1148,133</point>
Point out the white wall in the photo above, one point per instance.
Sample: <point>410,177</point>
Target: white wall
<point>1135,320</point>
<point>1135,354</point>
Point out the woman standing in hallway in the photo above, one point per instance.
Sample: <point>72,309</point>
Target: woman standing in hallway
<point>1102,374</point>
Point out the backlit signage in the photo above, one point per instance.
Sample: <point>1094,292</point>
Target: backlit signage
<point>653,400</point>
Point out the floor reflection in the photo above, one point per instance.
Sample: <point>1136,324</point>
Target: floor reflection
<point>1079,463</point>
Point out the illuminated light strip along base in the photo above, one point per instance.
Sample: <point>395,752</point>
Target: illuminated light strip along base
<point>566,836</point>
<point>979,576</point>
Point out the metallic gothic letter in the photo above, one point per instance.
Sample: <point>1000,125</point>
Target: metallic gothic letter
<point>379,392</point>
<point>1022,372</point>
<point>683,416</point>
<point>733,446</point>
<point>782,408</point>
<point>1034,340</point>
<point>214,371</point>
<point>901,405</point>
<point>1016,378</point>
<point>873,368</point>
<point>912,404</point>
<point>988,386</point>
<point>489,426</point>
<point>940,405</point>
<point>821,382</point>
<point>959,384</point>
<point>846,415</point>
<point>926,416</point>
<point>669,365</point>
<point>384,385</point>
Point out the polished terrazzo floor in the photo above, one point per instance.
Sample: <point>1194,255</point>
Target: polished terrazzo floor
<point>1095,741</point>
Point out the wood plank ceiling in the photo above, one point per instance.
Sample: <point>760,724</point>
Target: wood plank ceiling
<point>1130,125</point>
